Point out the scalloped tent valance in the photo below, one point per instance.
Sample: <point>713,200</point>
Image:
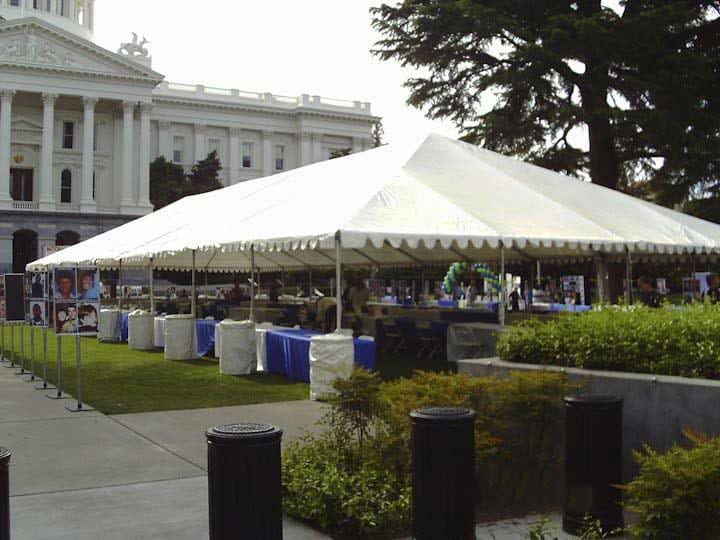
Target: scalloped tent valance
<point>438,200</point>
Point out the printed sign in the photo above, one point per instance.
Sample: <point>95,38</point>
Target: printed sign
<point>76,293</point>
<point>38,296</point>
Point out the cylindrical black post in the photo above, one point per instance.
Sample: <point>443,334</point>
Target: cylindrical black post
<point>593,461</point>
<point>443,476</point>
<point>4,493</point>
<point>245,486</point>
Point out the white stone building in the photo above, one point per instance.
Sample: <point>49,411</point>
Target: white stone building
<point>80,124</point>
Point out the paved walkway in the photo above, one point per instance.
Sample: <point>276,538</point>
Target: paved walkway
<point>84,476</point>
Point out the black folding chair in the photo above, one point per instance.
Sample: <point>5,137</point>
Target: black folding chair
<point>428,340</point>
<point>394,340</point>
<point>468,343</point>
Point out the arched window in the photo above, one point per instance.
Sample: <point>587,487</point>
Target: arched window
<point>67,238</point>
<point>66,187</point>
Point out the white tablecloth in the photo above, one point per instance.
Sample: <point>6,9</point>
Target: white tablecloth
<point>159,338</point>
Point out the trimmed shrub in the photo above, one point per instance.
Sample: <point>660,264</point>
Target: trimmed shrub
<point>677,493</point>
<point>669,341</point>
<point>353,481</point>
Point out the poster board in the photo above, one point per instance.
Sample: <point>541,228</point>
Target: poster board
<point>573,288</point>
<point>15,297</point>
<point>76,298</point>
<point>38,298</point>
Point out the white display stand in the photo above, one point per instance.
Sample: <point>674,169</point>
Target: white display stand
<point>180,337</point>
<point>332,357</point>
<point>109,327</point>
<point>140,330</point>
<point>238,353</point>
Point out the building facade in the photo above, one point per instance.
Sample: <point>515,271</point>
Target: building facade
<point>79,126</point>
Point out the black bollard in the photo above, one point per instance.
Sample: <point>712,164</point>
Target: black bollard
<point>245,486</point>
<point>4,493</point>
<point>443,481</point>
<point>593,462</point>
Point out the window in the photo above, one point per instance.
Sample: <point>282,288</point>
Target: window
<point>61,7</point>
<point>21,185</point>
<point>36,4</point>
<point>93,185</point>
<point>66,187</point>
<point>14,2</point>
<point>178,147</point>
<point>279,157</point>
<point>95,137</point>
<point>49,4</point>
<point>247,155</point>
<point>68,135</point>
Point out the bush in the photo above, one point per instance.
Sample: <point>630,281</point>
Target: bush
<point>677,494</point>
<point>354,479</point>
<point>669,341</point>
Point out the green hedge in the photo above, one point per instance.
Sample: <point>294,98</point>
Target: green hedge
<point>677,493</point>
<point>353,481</point>
<point>669,341</point>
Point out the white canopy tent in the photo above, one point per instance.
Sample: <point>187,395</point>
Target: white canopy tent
<point>438,200</point>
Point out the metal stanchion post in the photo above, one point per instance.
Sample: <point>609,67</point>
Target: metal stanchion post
<point>12,348</point>
<point>2,342</point>
<point>78,360</point>
<point>22,350</point>
<point>244,482</point>
<point>58,385</point>
<point>44,385</point>
<point>4,493</point>
<point>31,378</point>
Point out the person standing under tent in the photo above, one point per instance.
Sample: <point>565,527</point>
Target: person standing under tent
<point>359,296</point>
<point>648,295</point>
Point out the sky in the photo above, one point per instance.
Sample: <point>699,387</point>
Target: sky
<point>287,47</point>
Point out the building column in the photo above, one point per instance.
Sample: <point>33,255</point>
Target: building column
<point>304,142</point>
<point>144,158</point>
<point>235,156</point>
<point>47,196</point>
<point>357,145</point>
<point>267,140</point>
<point>87,200</point>
<point>127,203</point>
<point>85,11</point>
<point>200,142</point>
<point>164,143</point>
<point>6,99</point>
<point>317,148</point>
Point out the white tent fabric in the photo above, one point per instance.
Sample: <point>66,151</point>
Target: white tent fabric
<point>436,201</point>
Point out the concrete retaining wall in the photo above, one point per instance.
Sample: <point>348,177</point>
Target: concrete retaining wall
<point>656,408</point>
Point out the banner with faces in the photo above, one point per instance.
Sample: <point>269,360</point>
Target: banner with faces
<point>76,294</point>
<point>38,298</point>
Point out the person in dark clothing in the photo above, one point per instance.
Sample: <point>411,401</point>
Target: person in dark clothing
<point>515,300</point>
<point>648,295</point>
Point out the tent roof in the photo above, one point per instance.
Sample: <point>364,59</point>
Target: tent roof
<point>435,201</point>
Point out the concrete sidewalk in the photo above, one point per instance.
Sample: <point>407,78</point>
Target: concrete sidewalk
<point>86,475</point>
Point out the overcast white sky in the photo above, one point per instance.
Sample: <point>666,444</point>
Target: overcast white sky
<point>282,46</point>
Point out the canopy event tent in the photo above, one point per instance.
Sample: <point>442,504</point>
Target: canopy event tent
<point>434,201</point>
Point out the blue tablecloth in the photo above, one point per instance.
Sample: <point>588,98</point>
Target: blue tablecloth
<point>205,336</point>
<point>288,353</point>
<point>124,326</point>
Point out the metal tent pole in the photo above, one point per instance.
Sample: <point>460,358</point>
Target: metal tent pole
<point>252,282</point>
<point>502,285</point>
<point>152,286</point>
<point>193,307</point>
<point>338,279</point>
<point>628,277</point>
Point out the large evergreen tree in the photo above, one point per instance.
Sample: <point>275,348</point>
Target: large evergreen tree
<point>204,175</point>
<point>167,182</point>
<point>627,92</point>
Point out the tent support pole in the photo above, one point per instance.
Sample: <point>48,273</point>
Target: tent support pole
<point>310,286</point>
<point>206,283</point>
<point>252,282</point>
<point>539,273</point>
<point>338,280</point>
<point>628,277</point>
<point>152,286</point>
<point>120,287</point>
<point>501,307</point>
<point>193,292</point>
<point>601,277</point>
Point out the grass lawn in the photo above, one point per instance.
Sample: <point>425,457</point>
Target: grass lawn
<point>118,380</point>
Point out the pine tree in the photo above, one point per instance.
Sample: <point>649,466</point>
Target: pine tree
<point>627,93</point>
<point>167,182</point>
<point>204,175</point>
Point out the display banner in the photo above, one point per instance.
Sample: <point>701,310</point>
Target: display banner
<point>15,297</point>
<point>76,294</point>
<point>38,295</point>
